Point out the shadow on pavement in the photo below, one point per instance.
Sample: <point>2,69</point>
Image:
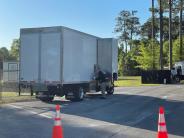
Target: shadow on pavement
<point>129,110</point>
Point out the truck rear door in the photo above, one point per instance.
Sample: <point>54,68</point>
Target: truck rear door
<point>29,55</point>
<point>50,57</point>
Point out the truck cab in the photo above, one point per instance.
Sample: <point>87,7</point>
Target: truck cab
<point>177,72</point>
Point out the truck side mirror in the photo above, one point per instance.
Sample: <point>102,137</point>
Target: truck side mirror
<point>115,76</point>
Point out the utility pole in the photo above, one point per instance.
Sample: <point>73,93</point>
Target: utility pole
<point>153,20</point>
<point>161,35</point>
<point>1,70</point>
<point>132,26</point>
<point>170,34</point>
<point>153,33</point>
<point>181,31</point>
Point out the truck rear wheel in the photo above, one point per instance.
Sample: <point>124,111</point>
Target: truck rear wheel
<point>48,99</point>
<point>77,96</point>
<point>110,90</point>
<point>44,97</point>
<point>177,79</point>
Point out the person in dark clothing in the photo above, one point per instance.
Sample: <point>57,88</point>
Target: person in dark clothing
<point>102,81</point>
<point>179,71</point>
<point>101,76</point>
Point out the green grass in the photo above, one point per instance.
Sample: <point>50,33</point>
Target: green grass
<point>182,82</point>
<point>10,97</point>
<point>13,94</point>
<point>130,81</point>
<point>9,94</point>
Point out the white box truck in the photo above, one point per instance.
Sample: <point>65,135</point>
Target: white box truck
<point>62,61</point>
<point>177,72</point>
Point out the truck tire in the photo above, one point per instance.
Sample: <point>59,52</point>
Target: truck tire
<point>77,96</point>
<point>48,99</point>
<point>177,79</point>
<point>110,90</point>
<point>45,97</point>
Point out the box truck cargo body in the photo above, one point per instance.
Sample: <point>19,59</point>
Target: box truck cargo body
<point>61,61</point>
<point>107,54</point>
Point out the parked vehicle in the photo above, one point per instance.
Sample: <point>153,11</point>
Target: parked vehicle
<point>62,61</point>
<point>177,71</point>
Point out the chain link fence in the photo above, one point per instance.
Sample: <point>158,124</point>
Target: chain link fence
<point>9,84</point>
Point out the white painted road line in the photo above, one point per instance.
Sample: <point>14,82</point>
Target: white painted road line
<point>68,118</point>
<point>45,115</point>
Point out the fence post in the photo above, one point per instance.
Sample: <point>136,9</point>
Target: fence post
<point>31,90</point>
<point>1,78</point>
<point>19,89</point>
<point>0,90</point>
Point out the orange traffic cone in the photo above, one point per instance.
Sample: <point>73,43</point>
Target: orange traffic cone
<point>162,130</point>
<point>57,129</point>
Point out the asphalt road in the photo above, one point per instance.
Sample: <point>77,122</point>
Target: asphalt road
<point>132,112</point>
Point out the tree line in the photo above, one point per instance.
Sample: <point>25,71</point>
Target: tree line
<point>139,45</point>
<point>12,54</point>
